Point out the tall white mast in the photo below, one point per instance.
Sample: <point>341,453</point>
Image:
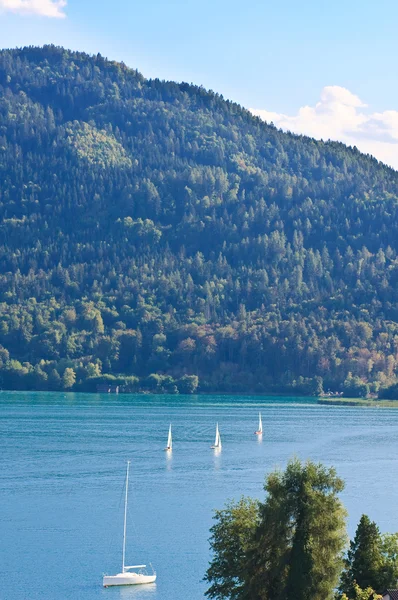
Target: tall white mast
<point>125,514</point>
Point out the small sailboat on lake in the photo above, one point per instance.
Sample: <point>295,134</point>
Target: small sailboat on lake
<point>217,441</point>
<point>128,576</point>
<point>169,446</point>
<point>260,426</point>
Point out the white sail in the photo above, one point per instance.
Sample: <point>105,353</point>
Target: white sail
<point>217,441</point>
<point>169,440</point>
<point>259,431</point>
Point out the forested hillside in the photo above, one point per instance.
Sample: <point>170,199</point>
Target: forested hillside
<point>152,230</point>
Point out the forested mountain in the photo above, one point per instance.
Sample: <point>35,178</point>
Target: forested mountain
<point>151,230</point>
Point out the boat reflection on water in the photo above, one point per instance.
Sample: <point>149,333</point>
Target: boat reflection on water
<point>136,592</point>
<point>217,458</point>
<point>169,461</point>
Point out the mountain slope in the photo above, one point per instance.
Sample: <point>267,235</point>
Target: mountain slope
<point>152,227</point>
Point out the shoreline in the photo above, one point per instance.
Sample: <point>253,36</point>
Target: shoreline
<point>340,401</point>
<point>359,402</point>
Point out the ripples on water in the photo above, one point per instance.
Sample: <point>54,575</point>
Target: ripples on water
<point>63,467</point>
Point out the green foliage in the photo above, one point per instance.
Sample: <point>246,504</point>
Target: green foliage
<point>292,542</point>
<point>389,549</point>
<point>231,537</point>
<point>364,563</point>
<point>160,384</point>
<point>54,380</point>
<point>390,393</point>
<point>188,384</point>
<point>359,594</point>
<point>372,560</point>
<point>308,386</point>
<point>96,147</point>
<point>354,387</point>
<point>132,209</point>
<point>68,378</point>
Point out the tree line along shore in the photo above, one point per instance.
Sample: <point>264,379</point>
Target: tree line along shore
<point>153,231</point>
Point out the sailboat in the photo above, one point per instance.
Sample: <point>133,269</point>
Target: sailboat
<point>217,441</point>
<point>169,446</point>
<point>260,426</point>
<point>128,576</point>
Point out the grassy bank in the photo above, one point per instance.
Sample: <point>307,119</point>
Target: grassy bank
<point>359,402</point>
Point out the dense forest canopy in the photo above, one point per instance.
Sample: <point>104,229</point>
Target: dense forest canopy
<point>152,232</point>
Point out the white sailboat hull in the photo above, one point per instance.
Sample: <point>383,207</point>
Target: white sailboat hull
<point>128,579</point>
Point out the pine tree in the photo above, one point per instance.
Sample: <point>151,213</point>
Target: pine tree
<point>364,562</point>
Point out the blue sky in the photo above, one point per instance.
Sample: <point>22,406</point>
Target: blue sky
<point>323,68</point>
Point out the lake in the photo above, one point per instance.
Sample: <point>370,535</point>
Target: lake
<point>63,461</point>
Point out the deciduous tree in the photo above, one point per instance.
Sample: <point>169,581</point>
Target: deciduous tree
<point>292,541</point>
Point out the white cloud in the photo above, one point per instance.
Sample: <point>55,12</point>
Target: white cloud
<point>341,115</point>
<point>44,8</point>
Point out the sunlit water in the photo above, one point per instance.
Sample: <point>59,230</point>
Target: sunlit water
<point>63,460</point>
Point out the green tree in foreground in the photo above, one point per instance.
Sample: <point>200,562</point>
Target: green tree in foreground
<point>363,565</point>
<point>289,546</point>
<point>372,560</point>
<point>359,594</point>
<point>231,537</point>
<point>389,547</point>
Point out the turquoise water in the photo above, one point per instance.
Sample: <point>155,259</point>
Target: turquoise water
<point>63,460</point>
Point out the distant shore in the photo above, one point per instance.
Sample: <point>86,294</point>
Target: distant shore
<point>359,402</point>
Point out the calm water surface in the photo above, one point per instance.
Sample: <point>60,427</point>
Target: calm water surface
<point>63,461</point>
